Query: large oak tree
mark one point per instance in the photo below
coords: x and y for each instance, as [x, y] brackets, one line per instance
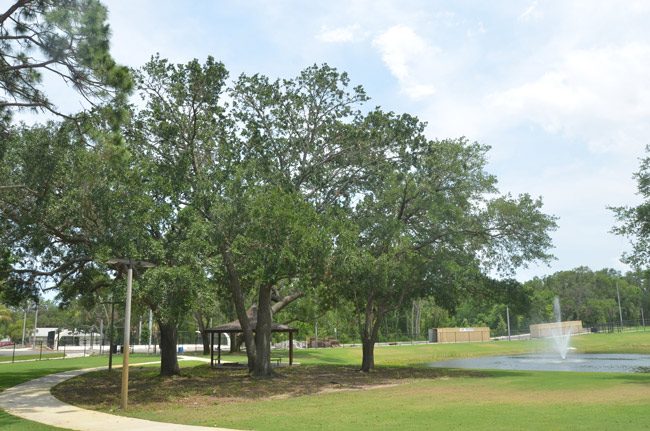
[427, 217]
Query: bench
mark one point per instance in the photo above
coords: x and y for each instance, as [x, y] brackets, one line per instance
[277, 360]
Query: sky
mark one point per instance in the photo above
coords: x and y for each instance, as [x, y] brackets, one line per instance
[559, 90]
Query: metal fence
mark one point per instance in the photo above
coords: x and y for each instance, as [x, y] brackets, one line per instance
[616, 326]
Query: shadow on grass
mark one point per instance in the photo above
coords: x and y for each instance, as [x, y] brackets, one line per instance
[322, 358]
[201, 385]
[641, 378]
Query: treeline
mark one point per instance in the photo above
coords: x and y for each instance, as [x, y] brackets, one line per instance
[586, 295]
[243, 195]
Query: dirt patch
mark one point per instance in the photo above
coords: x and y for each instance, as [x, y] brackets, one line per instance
[203, 386]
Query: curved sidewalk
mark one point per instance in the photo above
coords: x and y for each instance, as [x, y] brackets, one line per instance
[33, 401]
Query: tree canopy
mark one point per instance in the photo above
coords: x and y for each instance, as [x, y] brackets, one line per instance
[274, 189]
[62, 39]
[634, 221]
[425, 221]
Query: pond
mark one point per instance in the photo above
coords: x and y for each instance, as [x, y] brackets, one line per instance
[609, 363]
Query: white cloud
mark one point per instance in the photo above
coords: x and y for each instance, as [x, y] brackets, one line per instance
[419, 91]
[598, 95]
[476, 31]
[531, 13]
[351, 33]
[559, 88]
[410, 58]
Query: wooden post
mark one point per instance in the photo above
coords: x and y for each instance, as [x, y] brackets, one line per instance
[211, 349]
[127, 332]
[290, 348]
[219, 349]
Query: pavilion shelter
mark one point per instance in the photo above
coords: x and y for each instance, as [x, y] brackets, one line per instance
[234, 327]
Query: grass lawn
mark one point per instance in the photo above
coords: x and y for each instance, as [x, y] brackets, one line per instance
[31, 357]
[20, 372]
[326, 392]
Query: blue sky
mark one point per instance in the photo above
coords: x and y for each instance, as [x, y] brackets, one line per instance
[559, 89]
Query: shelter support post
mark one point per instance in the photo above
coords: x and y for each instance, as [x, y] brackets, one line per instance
[219, 349]
[290, 348]
[211, 349]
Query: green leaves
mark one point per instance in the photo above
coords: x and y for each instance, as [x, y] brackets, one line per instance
[634, 222]
[426, 220]
[65, 39]
[590, 296]
[517, 232]
[282, 237]
[272, 188]
[170, 291]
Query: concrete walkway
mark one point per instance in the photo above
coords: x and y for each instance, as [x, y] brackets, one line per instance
[33, 401]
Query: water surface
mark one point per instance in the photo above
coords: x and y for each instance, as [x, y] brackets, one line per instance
[608, 363]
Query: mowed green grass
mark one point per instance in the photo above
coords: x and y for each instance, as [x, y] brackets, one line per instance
[20, 372]
[18, 358]
[424, 400]
[495, 401]
[403, 355]
[419, 354]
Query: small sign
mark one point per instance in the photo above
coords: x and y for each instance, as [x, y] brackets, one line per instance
[466, 329]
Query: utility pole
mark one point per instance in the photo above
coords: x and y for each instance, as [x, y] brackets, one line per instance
[24, 325]
[620, 311]
[642, 301]
[35, 324]
[101, 333]
[129, 264]
[642, 317]
[508, 319]
[127, 333]
[150, 329]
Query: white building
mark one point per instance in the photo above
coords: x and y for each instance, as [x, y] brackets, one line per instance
[54, 337]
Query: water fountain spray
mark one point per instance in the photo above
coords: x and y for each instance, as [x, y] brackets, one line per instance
[560, 335]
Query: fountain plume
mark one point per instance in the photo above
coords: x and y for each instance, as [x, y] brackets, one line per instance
[560, 335]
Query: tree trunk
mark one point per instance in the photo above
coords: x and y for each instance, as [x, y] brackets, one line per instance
[238, 298]
[168, 355]
[205, 337]
[370, 334]
[263, 334]
[236, 340]
[368, 358]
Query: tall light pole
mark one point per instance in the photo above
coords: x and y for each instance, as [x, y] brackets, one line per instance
[150, 329]
[508, 319]
[620, 311]
[24, 325]
[642, 301]
[129, 264]
[35, 325]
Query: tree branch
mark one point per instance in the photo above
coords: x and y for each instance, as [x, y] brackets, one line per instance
[13, 8]
[275, 308]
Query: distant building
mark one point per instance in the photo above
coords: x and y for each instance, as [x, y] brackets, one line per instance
[555, 329]
[54, 337]
[459, 335]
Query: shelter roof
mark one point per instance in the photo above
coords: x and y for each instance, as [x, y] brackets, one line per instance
[235, 326]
